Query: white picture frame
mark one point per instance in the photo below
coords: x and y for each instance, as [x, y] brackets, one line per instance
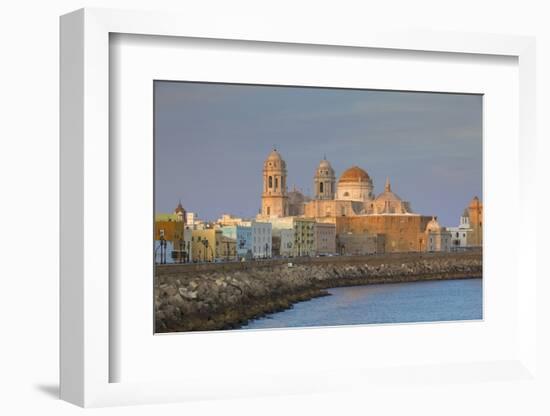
[86, 356]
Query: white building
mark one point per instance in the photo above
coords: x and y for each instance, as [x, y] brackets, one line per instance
[261, 238]
[460, 234]
[286, 241]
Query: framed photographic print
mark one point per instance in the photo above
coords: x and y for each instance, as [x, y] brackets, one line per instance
[277, 229]
[268, 213]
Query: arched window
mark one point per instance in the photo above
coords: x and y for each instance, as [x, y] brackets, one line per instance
[271, 182]
[321, 188]
[268, 211]
[276, 182]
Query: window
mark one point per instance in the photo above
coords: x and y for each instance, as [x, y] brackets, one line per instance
[270, 182]
[321, 188]
[276, 182]
[268, 211]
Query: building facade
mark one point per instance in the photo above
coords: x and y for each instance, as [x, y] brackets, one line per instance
[460, 235]
[206, 245]
[359, 244]
[261, 238]
[324, 238]
[242, 235]
[304, 236]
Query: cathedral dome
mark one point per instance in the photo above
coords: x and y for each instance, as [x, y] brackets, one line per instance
[354, 174]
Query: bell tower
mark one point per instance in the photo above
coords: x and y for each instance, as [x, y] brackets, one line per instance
[475, 213]
[274, 195]
[324, 180]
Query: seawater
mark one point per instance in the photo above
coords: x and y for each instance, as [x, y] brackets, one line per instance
[427, 301]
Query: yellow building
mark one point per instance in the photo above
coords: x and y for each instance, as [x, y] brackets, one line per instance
[206, 244]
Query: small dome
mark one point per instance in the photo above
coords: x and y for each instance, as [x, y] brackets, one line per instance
[325, 164]
[274, 161]
[274, 155]
[433, 226]
[354, 174]
[388, 194]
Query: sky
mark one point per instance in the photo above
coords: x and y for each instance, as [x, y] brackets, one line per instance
[211, 141]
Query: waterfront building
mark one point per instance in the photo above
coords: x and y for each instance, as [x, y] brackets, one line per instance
[286, 242]
[242, 235]
[437, 237]
[304, 236]
[274, 195]
[402, 232]
[460, 235]
[206, 244]
[325, 238]
[261, 238]
[228, 249]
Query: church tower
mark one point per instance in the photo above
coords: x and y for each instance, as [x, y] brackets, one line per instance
[324, 181]
[274, 195]
[475, 213]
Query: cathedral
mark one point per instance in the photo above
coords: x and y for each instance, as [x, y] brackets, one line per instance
[351, 204]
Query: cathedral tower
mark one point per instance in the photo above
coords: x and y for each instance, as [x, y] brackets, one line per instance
[274, 195]
[324, 181]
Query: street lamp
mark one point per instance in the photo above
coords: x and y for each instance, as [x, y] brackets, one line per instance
[162, 247]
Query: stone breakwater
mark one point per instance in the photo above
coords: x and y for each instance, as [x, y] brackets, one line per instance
[227, 296]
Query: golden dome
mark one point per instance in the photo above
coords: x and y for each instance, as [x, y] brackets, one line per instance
[354, 174]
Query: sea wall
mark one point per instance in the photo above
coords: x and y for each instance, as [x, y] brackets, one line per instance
[198, 297]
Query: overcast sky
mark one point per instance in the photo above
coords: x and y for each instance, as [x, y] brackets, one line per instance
[211, 141]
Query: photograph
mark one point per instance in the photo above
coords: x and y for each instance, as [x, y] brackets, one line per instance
[282, 206]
